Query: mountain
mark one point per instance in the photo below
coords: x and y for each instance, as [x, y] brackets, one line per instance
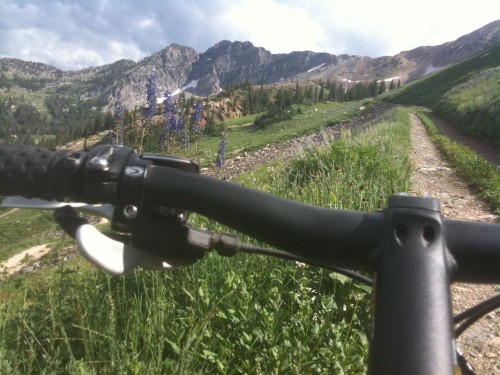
[180, 68]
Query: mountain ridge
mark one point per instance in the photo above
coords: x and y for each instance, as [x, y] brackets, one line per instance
[226, 63]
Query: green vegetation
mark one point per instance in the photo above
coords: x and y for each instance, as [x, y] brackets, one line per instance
[466, 94]
[474, 106]
[25, 228]
[480, 174]
[246, 314]
[62, 119]
[428, 90]
[242, 139]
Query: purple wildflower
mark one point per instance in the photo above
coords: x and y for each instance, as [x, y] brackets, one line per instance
[183, 130]
[196, 118]
[117, 134]
[170, 123]
[221, 153]
[151, 98]
[195, 122]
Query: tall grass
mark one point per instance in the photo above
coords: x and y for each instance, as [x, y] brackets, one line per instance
[474, 106]
[357, 173]
[246, 314]
[25, 228]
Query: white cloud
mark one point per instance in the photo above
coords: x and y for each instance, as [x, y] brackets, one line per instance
[278, 27]
[78, 33]
[145, 23]
[386, 27]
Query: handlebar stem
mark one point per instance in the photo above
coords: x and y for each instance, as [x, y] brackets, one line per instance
[412, 324]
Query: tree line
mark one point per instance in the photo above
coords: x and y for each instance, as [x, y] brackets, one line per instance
[67, 118]
[277, 103]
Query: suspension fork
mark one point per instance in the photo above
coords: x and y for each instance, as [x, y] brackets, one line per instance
[412, 330]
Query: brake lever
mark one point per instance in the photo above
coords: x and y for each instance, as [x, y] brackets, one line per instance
[102, 210]
[117, 258]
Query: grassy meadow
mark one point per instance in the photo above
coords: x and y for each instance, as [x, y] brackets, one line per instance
[246, 314]
[243, 137]
[21, 229]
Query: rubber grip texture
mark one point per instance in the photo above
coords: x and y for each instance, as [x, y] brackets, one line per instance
[34, 172]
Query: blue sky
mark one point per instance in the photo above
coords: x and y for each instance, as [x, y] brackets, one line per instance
[74, 34]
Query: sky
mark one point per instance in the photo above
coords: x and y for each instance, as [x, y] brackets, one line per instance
[76, 34]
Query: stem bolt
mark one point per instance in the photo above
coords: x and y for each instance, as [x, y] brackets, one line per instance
[130, 211]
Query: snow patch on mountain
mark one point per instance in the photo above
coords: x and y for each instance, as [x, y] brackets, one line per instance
[191, 84]
[431, 69]
[315, 68]
[389, 79]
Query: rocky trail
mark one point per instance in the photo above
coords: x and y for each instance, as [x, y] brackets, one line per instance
[433, 175]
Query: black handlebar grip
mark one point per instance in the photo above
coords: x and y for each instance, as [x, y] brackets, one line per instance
[34, 172]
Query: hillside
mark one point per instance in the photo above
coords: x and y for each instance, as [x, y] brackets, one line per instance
[467, 94]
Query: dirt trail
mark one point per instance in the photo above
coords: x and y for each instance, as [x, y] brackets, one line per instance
[18, 262]
[9, 212]
[433, 175]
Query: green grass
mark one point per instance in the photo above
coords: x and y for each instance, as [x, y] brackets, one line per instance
[246, 314]
[357, 173]
[23, 229]
[30, 96]
[242, 139]
[474, 106]
[480, 174]
[46, 137]
[244, 120]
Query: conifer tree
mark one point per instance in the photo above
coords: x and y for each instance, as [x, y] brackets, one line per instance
[321, 95]
[381, 89]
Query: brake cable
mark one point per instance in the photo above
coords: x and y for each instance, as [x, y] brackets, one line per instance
[228, 249]
[475, 313]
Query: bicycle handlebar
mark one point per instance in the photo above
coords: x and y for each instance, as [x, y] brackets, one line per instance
[41, 173]
[117, 175]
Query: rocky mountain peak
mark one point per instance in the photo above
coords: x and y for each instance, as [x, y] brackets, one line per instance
[181, 68]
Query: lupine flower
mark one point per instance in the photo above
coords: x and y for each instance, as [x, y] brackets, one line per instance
[117, 135]
[151, 98]
[179, 122]
[196, 118]
[195, 122]
[221, 153]
[170, 123]
[183, 131]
